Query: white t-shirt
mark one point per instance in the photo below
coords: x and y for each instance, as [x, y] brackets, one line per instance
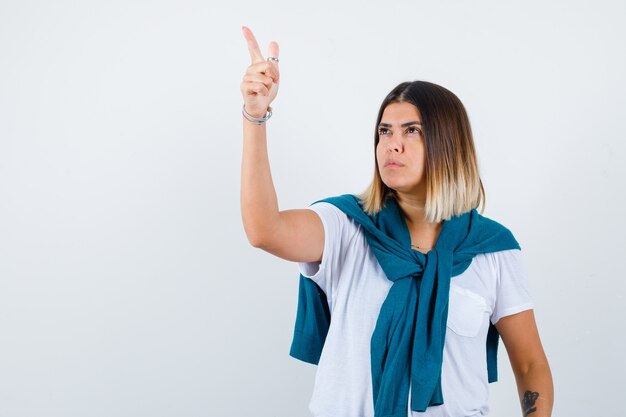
[493, 286]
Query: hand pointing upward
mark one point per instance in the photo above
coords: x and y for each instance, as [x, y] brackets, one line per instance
[260, 82]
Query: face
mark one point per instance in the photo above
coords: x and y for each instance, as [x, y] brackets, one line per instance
[403, 144]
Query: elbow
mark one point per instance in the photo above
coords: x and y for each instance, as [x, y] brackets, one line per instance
[255, 242]
[261, 233]
[254, 238]
[539, 366]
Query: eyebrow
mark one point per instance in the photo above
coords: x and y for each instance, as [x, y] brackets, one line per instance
[402, 125]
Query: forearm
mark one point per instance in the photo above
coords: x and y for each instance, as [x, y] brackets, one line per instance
[259, 204]
[536, 391]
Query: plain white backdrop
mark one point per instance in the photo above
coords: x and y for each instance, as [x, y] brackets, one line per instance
[127, 284]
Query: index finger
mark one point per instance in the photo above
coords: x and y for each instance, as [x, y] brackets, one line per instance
[253, 46]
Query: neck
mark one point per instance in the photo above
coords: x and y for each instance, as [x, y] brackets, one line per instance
[413, 208]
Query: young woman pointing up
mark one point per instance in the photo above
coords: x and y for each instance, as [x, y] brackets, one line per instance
[406, 288]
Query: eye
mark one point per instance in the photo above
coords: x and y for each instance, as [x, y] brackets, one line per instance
[382, 130]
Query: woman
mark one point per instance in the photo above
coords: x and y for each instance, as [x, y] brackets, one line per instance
[419, 285]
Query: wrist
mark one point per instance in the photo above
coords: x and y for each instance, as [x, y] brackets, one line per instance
[255, 114]
[256, 119]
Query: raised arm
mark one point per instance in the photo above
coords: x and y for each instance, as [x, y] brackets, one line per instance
[295, 235]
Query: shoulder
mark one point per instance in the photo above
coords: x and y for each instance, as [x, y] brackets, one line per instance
[508, 256]
[347, 207]
[327, 208]
[487, 222]
[334, 218]
[508, 263]
[486, 228]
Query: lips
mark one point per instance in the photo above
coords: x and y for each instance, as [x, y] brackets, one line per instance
[393, 162]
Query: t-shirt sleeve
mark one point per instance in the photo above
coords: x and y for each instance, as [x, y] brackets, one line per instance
[336, 229]
[512, 286]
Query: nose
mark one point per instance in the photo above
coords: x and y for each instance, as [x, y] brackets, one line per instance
[394, 144]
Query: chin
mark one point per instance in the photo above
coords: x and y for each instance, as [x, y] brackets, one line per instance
[400, 186]
[395, 186]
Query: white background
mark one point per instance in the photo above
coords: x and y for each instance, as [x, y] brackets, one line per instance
[127, 284]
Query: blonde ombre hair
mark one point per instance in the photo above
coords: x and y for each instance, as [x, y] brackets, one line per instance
[453, 184]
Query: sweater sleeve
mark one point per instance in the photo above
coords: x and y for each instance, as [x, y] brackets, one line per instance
[513, 290]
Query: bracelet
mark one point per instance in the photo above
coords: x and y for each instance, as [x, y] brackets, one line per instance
[256, 120]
